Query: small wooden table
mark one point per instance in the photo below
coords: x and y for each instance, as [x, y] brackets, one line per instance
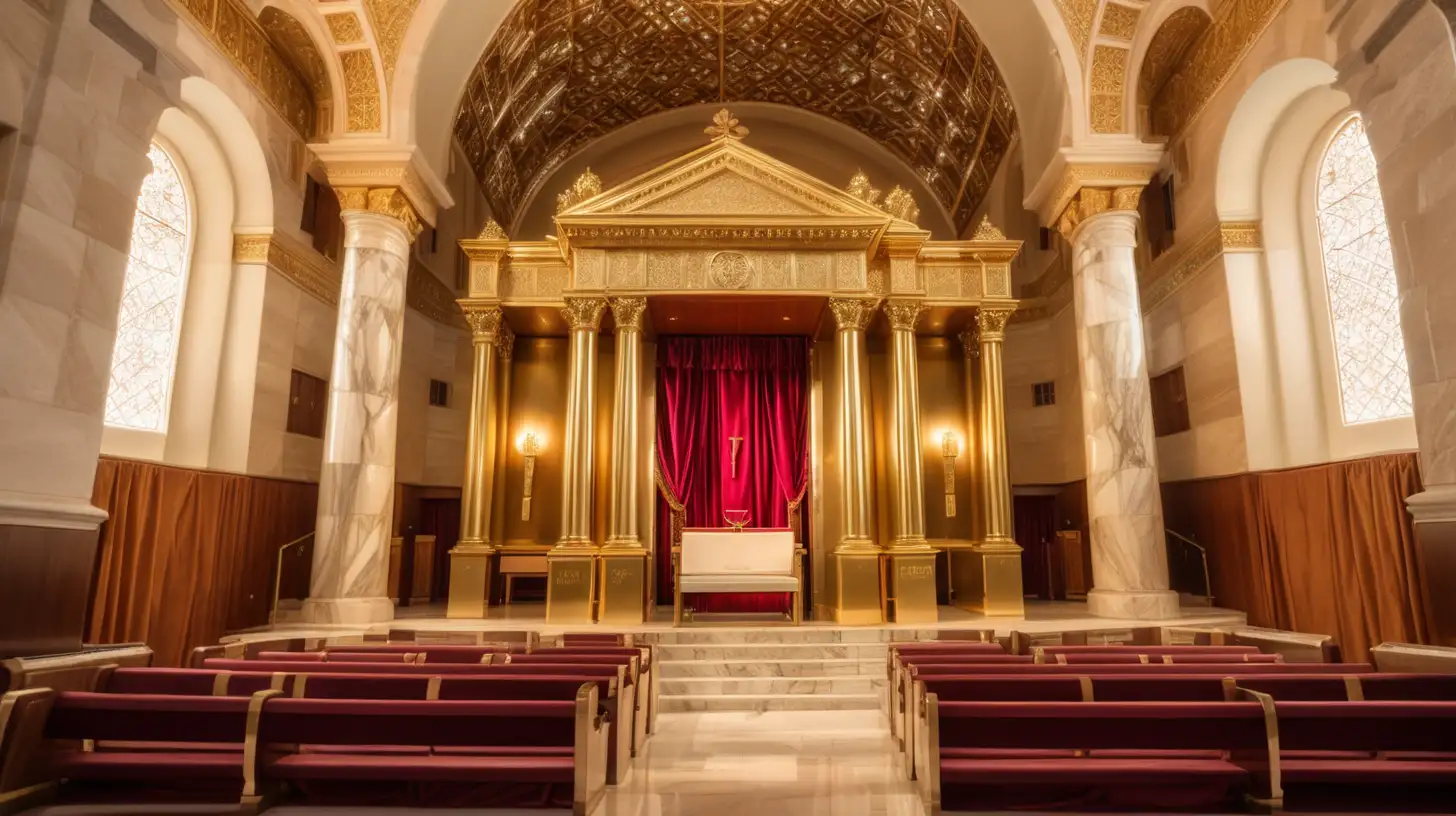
[522, 561]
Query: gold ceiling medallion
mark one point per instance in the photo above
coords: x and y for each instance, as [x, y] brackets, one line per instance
[730, 270]
[725, 126]
[587, 185]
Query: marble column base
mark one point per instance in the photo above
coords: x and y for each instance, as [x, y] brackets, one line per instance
[1158, 604]
[349, 611]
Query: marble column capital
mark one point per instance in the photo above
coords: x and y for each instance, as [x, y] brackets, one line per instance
[853, 314]
[390, 202]
[991, 324]
[584, 313]
[904, 313]
[627, 312]
[1091, 202]
[370, 230]
[1110, 228]
[485, 321]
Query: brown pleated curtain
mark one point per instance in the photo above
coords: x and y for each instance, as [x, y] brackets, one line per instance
[188, 555]
[1327, 549]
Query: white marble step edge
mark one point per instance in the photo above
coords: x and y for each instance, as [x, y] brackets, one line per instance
[695, 686]
[831, 667]
[785, 635]
[760, 652]
[771, 702]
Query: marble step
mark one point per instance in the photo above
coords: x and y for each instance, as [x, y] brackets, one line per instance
[784, 635]
[765, 686]
[813, 667]
[771, 702]
[762, 652]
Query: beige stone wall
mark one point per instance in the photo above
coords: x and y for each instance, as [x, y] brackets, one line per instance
[431, 444]
[1045, 444]
[297, 333]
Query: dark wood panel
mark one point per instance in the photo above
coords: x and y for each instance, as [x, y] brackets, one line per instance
[728, 314]
[1170, 403]
[308, 405]
[45, 584]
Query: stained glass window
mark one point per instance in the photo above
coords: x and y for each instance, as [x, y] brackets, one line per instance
[151, 301]
[1360, 280]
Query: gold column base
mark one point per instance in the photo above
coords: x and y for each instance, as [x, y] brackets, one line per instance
[571, 586]
[912, 586]
[988, 580]
[623, 580]
[858, 577]
[470, 571]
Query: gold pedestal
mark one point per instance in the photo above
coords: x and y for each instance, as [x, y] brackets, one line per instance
[988, 581]
[858, 576]
[623, 580]
[469, 582]
[570, 587]
[912, 586]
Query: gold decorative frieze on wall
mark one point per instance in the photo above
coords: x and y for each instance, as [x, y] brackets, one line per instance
[428, 295]
[1167, 49]
[1078, 15]
[1118, 21]
[233, 30]
[361, 88]
[1109, 70]
[301, 264]
[1171, 271]
[390, 19]
[293, 41]
[345, 28]
[1211, 60]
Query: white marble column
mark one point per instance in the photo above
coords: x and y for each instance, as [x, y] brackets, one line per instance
[356, 489]
[1129, 555]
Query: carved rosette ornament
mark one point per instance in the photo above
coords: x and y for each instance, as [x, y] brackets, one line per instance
[852, 314]
[627, 312]
[484, 322]
[904, 314]
[730, 270]
[583, 313]
[991, 324]
[725, 126]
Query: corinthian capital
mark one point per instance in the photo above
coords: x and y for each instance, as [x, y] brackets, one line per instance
[584, 313]
[852, 314]
[991, 323]
[484, 321]
[904, 314]
[627, 312]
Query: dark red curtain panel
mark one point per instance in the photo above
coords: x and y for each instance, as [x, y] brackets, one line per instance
[710, 390]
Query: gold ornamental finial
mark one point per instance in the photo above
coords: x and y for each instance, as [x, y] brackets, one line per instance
[725, 126]
[901, 204]
[492, 231]
[988, 231]
[860, 188]
[587, 185]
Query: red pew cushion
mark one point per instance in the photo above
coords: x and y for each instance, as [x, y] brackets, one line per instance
[438, 768]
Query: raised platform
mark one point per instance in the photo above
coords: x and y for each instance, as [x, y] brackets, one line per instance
[748, 666]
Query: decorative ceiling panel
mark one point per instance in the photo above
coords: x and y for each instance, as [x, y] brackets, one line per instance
[911, 74]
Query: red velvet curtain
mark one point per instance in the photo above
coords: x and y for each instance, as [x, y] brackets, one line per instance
[710, 390]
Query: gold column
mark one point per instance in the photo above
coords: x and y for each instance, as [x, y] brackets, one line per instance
[911, 567]
[623, 558]
[996, 562]
[570, 588]
[856, 558]
[470, 560]
[506, 347]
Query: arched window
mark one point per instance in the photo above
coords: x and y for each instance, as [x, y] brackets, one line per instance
[1374, 379]
[145, 358]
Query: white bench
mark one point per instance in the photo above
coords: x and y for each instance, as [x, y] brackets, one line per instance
[737, 561]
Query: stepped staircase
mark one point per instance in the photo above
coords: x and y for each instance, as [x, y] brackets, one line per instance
[788, 669]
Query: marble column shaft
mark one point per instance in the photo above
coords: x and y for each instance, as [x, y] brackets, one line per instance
[475, 504]
[622, 529]
[584, 317]
[996, 521]
[908, 477]
[1129, 556]
[852, 317]
[356, 485]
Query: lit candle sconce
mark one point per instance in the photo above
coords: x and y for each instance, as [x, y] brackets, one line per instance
[529, 444]
[950, 448]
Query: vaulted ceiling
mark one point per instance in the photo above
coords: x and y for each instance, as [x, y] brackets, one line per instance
[911, 74]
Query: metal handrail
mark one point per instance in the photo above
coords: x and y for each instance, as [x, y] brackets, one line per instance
[278, 575]
[1202, 555]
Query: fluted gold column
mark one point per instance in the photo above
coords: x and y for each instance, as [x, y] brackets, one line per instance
[911, 559]
[623, 574]
[505, 346]
[997, 557]
[470, 560]
[856, 558]
[570, 588]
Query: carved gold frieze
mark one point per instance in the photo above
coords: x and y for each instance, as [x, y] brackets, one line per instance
[361, 89]
[1119, 21]
[300, 264]
[1167, 49]
[232, 29]
[1211, 60]
[1109, 69]
[389, 19]
[1078, 15]
[345, 28]
[1174, 269]
[428, 295]
[730, 270]
[293, 41]
[949, 85]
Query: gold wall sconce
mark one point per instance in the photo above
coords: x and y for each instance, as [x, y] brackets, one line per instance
[529, 444]
[950, 448]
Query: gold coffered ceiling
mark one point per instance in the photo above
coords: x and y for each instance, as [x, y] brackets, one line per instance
[911, 74]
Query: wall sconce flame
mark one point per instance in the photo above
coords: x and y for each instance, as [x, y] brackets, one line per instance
[529, 444]
[950, 448]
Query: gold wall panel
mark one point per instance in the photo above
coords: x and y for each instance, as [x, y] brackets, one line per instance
[1109, 69]
[231, 27]
[1078, 16]
[943, 408]
[293, 41]
[538, 394]
[389, 19]
[361, 86]
[1119, 21]
[345, 28]
[1167, 50]
[911, 74]
[1237, 25]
